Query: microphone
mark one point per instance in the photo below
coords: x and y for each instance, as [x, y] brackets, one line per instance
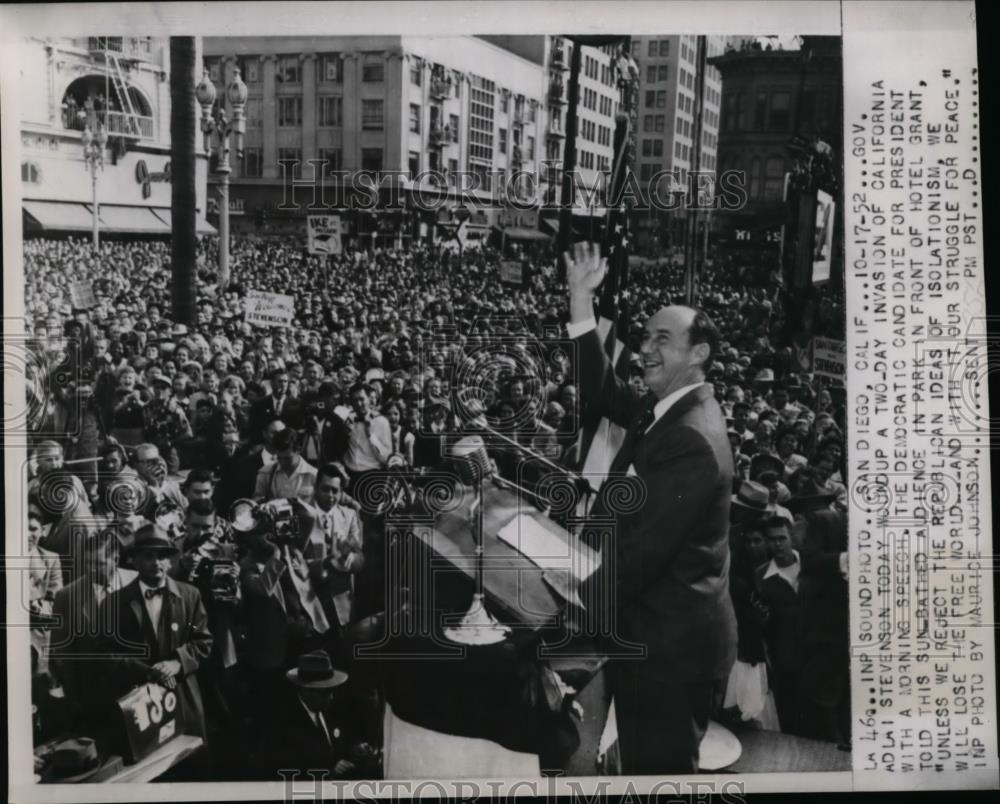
[471, 460]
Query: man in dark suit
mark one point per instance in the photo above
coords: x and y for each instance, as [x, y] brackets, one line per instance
[279, 404]
[669, 568]
[158, 631]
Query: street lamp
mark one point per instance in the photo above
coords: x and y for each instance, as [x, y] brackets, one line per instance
[214, 121]
[93, 158]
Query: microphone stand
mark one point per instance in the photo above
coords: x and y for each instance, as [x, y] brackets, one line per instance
[478, 626]
[579, 481]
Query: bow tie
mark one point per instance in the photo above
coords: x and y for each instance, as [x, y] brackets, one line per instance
[151, 593]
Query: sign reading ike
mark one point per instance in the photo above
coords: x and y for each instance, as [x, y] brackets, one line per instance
[324, 233]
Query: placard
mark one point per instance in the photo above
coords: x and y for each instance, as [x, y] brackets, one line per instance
[511, 271]
[81, 294]
[150, 714]
[829, 358]
[324, 233]
[269, 309]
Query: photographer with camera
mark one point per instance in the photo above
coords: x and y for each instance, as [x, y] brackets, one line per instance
[289, 476]
[363, 440]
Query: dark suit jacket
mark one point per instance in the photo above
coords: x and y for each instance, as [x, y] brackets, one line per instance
[671, 557]
[783, 628]
[294, 741]
[135, 648]
[263, 410]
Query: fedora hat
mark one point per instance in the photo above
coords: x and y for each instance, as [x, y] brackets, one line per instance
[315, 671]
[153, 537]
[73, 760]
[810, 495]
[763, 462]
[751, 497]
[764, 375]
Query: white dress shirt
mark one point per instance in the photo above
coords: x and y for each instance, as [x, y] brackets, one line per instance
[154, 605]
[789, 573]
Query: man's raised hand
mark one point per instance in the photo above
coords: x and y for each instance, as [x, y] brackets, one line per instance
[585, 268]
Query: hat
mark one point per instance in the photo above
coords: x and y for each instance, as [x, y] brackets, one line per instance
[763, 462]
[74, 760]
[153, 537]
[793, 381]
[315, 671]
[764, 375]
[751, 497]
[811, 495]
[159, 378]
[374, 375]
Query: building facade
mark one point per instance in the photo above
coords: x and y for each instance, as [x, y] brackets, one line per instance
[476, 112]
[775, 101]
[680, 94]
[118, 83]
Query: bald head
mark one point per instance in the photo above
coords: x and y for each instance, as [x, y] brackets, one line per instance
[677, 346]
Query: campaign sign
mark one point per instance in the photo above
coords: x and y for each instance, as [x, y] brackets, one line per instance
[269, 309]
[81, 294]
[829, 358]
[511, 271]
[324, 234]
[150, 713]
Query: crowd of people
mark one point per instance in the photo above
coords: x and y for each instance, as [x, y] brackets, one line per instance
[212, 469]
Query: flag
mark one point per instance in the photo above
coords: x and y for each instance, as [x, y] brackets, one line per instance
[600, 439]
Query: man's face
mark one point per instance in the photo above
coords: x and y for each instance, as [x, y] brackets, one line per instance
[199, 490]
[393, 416]
[49, 460]
[112, 463]
[211, 382]
[756, 547]
[34, 532]
[179, 384]
[279, 383]
[100, 562]
[152, 566]
[668, 358]
[824, 466]
[740, 418]
[779, 544]
[327, 491]
[200, 526]
[396, 384]
[246, 371]
[361, 403]
[161, 391]
[312, 373]
[287, 459]
[517, 393]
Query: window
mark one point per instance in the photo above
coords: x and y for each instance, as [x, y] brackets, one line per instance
[502, 140]
[684, 152]
[372, 114]
[531, 148]
[290, 162]
[650, 98]
[653, 47]
[687, 129]
[290, 111]
[687, 104]
[664, 47]
[774, 178]
[684, 52]
[452, 169]
[680, 124]
[755, 177]
[333, 157]
[414, 163]
[661, 122]
[647, 147]
[531, 113]
[30, 173]
[333, 67]
[250, 69]
[651, 73]
[289, 70]
[504, 102]
[371, 159]
[482, 103]
[662, 72]
[373, 70]
[646, 172]
[661, 99]
[657, 147]
[780, 116]
[252, 164]
[647, 122]
[453, 124]
[331, 111]
[416, 73]
[415, 118]
[677, 150]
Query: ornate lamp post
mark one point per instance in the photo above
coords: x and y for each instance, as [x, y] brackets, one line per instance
[214, 121]
[93, 158]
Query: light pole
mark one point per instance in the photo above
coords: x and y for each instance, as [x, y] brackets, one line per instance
[214, 121]
[93, 158]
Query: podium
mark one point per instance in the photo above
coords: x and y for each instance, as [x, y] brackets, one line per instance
[492, 693]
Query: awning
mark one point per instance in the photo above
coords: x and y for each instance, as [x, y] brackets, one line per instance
[522, 233]
[201, 226]
[58, 216]
[582, 225]
[136, 220]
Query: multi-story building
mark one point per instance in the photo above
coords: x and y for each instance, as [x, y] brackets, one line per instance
[774, 100]
[679, 96]
[120, 84]
[388, 104]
